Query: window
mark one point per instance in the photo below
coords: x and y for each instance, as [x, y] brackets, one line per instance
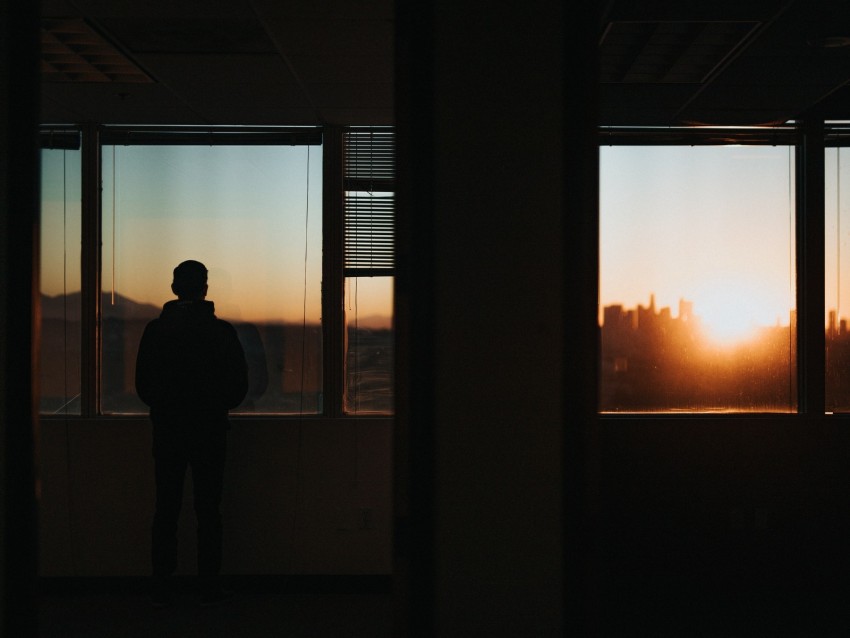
[253, 215]
[369, 345]
[60, 275]
[837, 276]
[252, 204]
[369, 267]
[697, 278]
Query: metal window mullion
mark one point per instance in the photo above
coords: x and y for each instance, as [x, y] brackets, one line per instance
[695, 136]
[333, 281]
[214, 135]
[90, 272]
[810, 199]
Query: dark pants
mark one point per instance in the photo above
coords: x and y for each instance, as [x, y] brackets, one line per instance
[200, 446]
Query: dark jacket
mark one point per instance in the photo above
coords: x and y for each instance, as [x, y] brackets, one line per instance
[190, 363]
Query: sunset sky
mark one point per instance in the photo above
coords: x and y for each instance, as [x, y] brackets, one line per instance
[712, 225]
[253, 215]
[837, 205]
[245, 212]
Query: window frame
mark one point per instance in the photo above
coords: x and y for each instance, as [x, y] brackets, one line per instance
[91, 138]
[809, 139]
[836, 134]
[64, 138]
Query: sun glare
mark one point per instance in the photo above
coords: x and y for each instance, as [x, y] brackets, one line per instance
[731, 312]
[726, 327]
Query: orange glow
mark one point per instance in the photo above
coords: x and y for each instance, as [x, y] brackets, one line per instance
[732, 311]
[728, 329]
[713, 225]
[369, 302]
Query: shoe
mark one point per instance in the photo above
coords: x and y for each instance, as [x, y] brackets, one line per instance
[216, 597]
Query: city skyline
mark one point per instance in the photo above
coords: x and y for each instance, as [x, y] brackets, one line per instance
[736, 332]
[654, 361]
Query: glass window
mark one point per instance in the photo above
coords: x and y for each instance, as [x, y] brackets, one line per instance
[837, 279]
[369, 268]
[253, 215]
[697, 271]
[60, 281]
[369, 341]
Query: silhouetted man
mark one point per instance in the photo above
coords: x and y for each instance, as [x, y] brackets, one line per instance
[190, 370]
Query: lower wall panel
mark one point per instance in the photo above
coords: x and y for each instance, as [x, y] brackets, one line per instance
[728, 526]
[310, 496]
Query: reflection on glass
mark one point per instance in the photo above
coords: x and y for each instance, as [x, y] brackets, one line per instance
[253, 215]
[837, 279]
[60, 282]
[697, 301]
[369, 345]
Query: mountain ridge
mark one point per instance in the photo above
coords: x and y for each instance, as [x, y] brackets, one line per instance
[60, 306]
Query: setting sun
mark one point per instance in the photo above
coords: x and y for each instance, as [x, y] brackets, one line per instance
[725, 326]
[731, 311]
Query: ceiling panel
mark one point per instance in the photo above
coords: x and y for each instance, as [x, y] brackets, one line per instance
[345, 69]
[68, 103]
[772, 73]
[201, 34]
[662, 62]
[219, 70]
[236, 61]
[668, 52]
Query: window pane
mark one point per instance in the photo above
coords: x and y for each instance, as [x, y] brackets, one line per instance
[253, 215]
[369, 345]
[60, 282]
[837, 279]
[697, 278]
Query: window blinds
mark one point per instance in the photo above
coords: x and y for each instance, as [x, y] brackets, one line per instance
[369, 206]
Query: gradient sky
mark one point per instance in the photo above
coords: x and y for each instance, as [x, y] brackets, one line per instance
[60, 221]
[245, 212]
[712, 225]
[253, 215]
[837, 249]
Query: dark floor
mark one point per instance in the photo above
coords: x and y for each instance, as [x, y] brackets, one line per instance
[318, 608]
